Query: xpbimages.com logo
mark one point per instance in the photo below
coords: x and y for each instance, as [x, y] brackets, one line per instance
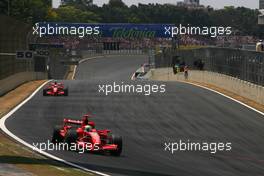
[213, 31]
[146, 89]
[190, 146]
[50, 146]
[65, 29]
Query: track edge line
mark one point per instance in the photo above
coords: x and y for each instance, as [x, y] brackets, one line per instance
[226, 96]
[10, 134]
[81, 61]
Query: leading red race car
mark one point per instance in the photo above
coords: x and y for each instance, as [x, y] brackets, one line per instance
[55, 89]
[83, 132]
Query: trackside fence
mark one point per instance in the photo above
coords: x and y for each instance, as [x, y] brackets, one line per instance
[241, 64]
[114, 52]
[14, 36]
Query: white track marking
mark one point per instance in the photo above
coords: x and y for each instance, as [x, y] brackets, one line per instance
[74, 71]
[81, 61]
[4, 128]
[262, 113]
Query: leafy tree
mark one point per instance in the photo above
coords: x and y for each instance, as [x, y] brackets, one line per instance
[241, 19]
[52, 15]
[116, 4]
[79, 4]
[72, 14]
[29, 10]
[4, 7]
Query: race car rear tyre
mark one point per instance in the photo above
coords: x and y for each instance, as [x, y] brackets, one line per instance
[71, 137]
[66, 92]
[118, 141]
[44, 92]
[56, 136]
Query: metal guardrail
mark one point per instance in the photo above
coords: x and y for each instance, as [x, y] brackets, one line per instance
[242, 64]
[124, 51]
[114, 52]
[9, 65]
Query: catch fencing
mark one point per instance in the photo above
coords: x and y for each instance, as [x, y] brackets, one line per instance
[14, 36]
[241, 64]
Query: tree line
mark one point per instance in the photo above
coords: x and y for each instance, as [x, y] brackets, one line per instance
[242, 19]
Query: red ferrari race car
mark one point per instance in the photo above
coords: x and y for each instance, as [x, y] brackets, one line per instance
[83, 132]
[55, 89]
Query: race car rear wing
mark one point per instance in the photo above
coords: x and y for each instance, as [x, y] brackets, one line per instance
[72, 121]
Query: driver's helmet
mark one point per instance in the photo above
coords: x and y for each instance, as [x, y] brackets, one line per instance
[87, 128]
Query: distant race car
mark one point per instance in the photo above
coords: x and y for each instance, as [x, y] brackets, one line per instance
[55, 89]
[139, 76]
[83, 132]
[141, 72]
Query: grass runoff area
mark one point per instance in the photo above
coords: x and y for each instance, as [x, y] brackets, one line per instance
[14, 157]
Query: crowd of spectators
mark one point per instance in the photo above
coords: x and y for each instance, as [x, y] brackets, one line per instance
[134, 43]
[235, 41]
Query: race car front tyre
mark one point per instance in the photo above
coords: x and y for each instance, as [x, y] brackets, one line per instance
[118, 141]
[56, 136]
[71, 137]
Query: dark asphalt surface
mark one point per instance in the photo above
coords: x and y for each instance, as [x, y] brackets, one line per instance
[184, 112]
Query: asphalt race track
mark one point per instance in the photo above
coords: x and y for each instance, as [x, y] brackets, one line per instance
[147, 122]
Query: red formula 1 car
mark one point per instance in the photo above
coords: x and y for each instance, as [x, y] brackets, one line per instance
[83, 133]
[55, 89]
